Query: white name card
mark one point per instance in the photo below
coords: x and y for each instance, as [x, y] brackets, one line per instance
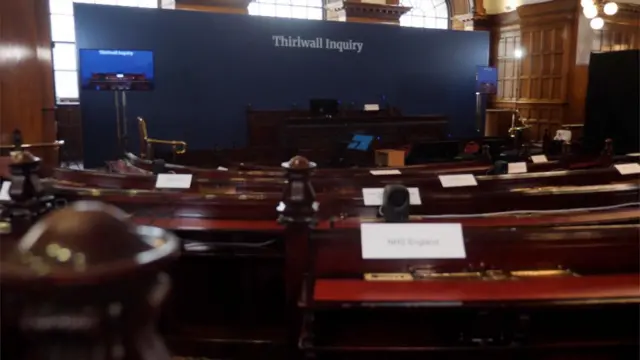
[517, 168]
[412, 241]
[373, 196]
[628, 169]
[222, 168]
[537, 159]
[461, 180]
[371, 107]
[174, 181]
[4, 191]
[385, 172]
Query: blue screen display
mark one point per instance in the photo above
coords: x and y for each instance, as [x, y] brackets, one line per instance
[486, 80]
[360, 142]
[116, 70]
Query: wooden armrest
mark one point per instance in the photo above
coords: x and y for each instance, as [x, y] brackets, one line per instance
[54, 144]
[553, 289]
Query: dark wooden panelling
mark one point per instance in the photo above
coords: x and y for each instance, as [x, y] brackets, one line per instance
[26, 76]
[538, 83]
[70, 130]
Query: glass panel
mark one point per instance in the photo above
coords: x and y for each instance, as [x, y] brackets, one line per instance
[299, 12]
[428, 10]
[405, 20]
[85, 1]
[66, 84]
[442, 23]
[299, 2]
[131, 3]
[152, 4]
[283, 2]
[314, 3]
[314, 13]
[62, 7]
[62, 28]
[429, 22]
[253, 9]
[283, 11]
[64, 56]
[442, 11]
[267, 10]
[106, 2]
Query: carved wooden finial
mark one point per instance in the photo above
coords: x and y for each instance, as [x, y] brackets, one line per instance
[77, 270]
[298, 203]
[486, 152]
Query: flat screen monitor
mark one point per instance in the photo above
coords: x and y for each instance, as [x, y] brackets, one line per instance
[116, 70]
[486, 80]
[323, 107]
[360, 142]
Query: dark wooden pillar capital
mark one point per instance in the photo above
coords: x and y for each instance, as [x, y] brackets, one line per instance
[359, 11]
[473, 22]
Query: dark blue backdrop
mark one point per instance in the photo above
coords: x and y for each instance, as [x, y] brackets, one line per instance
[209, 67]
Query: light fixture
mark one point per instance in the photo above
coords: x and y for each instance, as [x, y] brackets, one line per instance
[590, 11]
[597, 23]
[518, 53]
[610, 8]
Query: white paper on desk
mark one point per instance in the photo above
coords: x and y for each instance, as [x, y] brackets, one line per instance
[628, 169]
[412, 241]
[222, 168]
[385, 172]
[371, 107]
[373, 196]
[460, 180]
[517, 168]
[4, 191]
[537, 159]
[174, 181]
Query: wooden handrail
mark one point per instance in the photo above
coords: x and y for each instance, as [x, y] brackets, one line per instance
[54, 144]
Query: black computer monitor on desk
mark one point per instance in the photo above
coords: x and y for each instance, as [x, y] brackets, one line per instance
[323, 107]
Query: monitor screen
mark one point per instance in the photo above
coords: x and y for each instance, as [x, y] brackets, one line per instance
[360, 142]
[116, 70]
[487, 80]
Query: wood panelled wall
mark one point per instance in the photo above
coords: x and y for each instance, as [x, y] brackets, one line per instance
[548, 84]
[26, 73]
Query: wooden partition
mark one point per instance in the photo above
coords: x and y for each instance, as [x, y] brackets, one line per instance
[26, 80]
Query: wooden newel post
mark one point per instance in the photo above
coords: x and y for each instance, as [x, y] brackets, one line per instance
[84, 283]
[297, 212]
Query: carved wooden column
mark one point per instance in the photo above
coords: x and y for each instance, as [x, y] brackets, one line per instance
[216, 6]
[379, 12]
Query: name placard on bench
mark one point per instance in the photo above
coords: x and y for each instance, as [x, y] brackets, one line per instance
[4, 191]
[628, 169]
[412, 241]
[385, 172]
[517, 168]
[537, 159]
[461, 180]
[373, 196]
[174, 181]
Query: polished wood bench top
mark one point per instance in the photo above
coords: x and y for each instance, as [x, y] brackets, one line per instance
[525, 290]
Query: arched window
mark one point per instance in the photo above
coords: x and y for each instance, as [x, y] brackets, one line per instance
[433, 14]
[295, 9]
